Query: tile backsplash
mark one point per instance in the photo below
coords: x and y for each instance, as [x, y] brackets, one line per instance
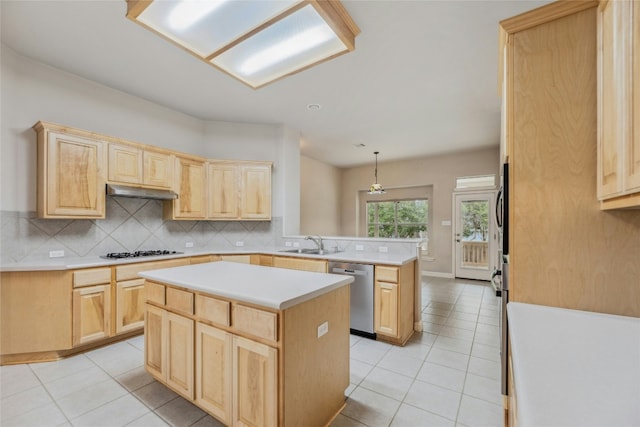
[130, 224]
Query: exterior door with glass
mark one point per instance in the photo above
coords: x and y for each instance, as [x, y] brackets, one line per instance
[474, 235]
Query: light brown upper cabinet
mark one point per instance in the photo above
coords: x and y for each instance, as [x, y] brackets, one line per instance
[255, 190]
[191, 184]
[223, 190]
[71, 173]
[158, 169]
[619, 104]
[129, 164]
[239, 190]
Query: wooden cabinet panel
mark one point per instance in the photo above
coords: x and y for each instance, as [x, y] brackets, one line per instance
[632, 175]
[255, 376]
[158, 169]
[292, 263]
[200, 259]
[243, 259]
[213, 310]
[130, 305]
[154, 341]
[386, 308]
[255, 189]
[387, 274]
[618, 104]
[223, 190]
[130, 271]
[91, 314]
[214, 371]
[35, 311]
[255, 322]
[179, 300]
[125, 164]
[179, 342]
[92, 276]
[154, 292]
[191, 187]
[71, 174]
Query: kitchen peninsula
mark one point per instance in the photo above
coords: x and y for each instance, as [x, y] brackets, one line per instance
[252, 345]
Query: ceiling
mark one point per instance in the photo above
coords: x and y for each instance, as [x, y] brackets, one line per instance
[422, 80]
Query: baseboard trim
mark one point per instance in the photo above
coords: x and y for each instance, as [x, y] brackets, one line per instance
[437, 274]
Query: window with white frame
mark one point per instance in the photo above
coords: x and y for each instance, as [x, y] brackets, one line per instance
[404, 219]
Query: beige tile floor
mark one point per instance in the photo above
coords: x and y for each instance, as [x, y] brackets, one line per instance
[446, 376]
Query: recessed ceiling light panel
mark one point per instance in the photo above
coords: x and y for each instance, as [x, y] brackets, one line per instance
[255, 41]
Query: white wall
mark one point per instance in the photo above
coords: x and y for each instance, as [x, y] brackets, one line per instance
[320, 201]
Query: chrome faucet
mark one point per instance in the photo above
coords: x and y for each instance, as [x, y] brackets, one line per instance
[317, 240]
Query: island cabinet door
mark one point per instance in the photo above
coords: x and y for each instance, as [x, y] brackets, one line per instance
[214, 358]
[154, 341]
[255, 384]
[179, 345]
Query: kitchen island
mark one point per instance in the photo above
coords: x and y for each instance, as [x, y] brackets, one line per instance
[251, 345]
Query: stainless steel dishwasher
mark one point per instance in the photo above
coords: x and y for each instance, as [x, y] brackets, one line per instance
[361, 295]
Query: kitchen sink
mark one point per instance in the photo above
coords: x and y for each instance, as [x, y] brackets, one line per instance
[306, 251]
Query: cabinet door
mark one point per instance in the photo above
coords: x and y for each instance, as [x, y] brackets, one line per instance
[191, 185]
[179, 347]
[75, 185]
[154, 354]
[125, 164]
[386, 308]
[223, 190]
[214, 356]
[158, 169]
[255, 192]
[632, 174]
[609, 106]
[255, 387]
[91, 314]
[129, 305]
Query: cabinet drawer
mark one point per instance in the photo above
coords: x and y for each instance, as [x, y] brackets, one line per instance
[256, 322]
[213, 310]
[130, 271]
[154, 292]
[94, 276]
[181, 301]
[387, 274]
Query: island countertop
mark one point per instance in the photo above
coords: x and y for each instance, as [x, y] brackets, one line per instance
[264, 286]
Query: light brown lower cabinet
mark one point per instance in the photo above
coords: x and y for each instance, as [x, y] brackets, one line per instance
[91, 314]
[214, 360]
[169, 340]
[129, 305]
[393, 302]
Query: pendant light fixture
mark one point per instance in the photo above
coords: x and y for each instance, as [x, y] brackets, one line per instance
[375, 187]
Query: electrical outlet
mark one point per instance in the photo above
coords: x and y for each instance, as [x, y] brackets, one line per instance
[359, 247]
[383, 249]
[56, 254]
[188, 245]
[239, 243]
[287, 244]
[296, 244]
[323, 329]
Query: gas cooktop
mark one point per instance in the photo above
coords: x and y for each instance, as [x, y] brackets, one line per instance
[136, 254]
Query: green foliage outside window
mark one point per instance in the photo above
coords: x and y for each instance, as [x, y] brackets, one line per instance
[397, 218]
[475, 220]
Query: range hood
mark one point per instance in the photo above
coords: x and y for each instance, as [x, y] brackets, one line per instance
[140, 193]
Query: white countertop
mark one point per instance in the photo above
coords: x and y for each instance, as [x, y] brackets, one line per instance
[264, 286]
[72, 263]
[574, 368]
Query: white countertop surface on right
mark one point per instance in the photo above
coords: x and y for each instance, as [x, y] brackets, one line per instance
[574, 368]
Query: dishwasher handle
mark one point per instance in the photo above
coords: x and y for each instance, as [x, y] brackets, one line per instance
[349, 271]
